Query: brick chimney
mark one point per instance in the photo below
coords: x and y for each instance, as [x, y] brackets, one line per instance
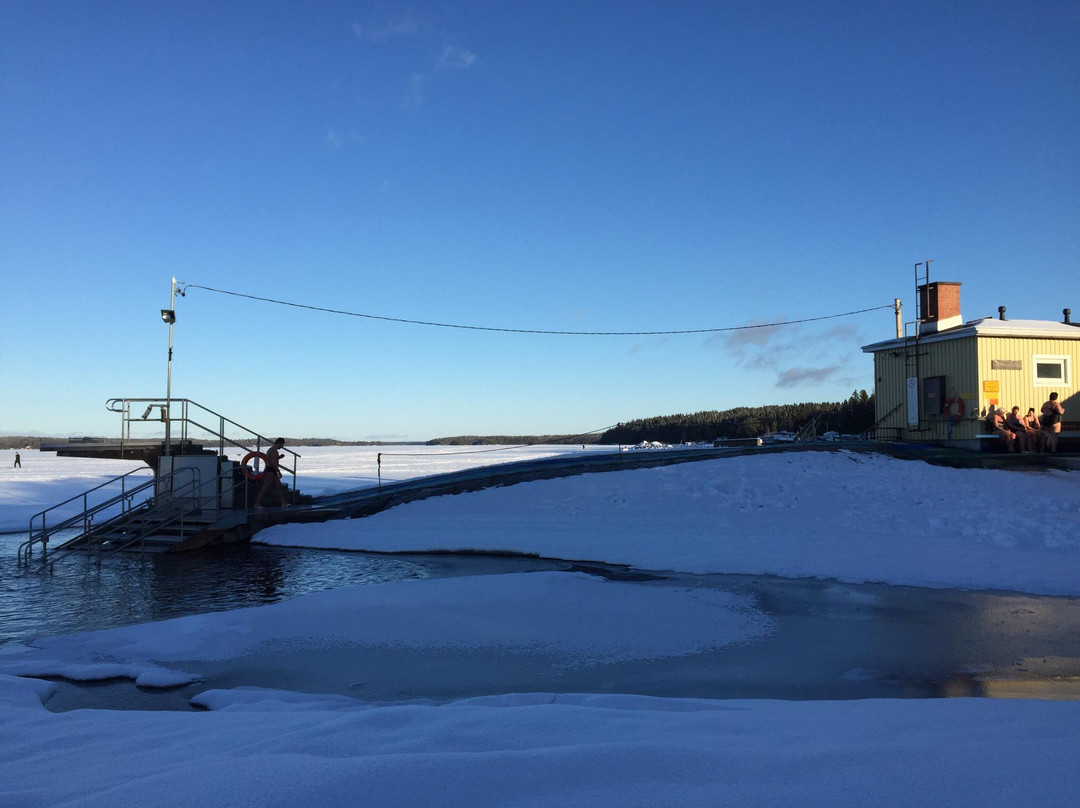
[939, 306]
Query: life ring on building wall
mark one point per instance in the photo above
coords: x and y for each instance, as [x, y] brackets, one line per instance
[954, 407]
[249, 474]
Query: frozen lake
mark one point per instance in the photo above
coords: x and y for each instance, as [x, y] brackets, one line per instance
[827, 639]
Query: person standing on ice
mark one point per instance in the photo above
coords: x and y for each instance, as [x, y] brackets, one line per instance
[272, 474]
[18, 461]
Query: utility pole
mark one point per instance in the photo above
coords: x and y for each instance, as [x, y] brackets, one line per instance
[169, 316]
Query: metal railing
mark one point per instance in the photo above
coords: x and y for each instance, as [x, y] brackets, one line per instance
[171, 508]
[872, 432]
[125, 501]
[808, 430]
[185, 419]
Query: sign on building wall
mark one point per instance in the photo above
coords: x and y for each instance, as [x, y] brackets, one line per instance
[1006, 364]
[913, 401]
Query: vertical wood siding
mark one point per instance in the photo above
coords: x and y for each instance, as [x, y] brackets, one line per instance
[1018, 386]
[965, 364]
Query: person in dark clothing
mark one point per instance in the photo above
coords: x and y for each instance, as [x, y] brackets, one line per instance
[18, 461]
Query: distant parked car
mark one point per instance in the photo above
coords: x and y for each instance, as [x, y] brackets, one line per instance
[831, 436]
[778, 437]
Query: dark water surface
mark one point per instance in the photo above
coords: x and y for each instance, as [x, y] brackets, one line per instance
[132, 588]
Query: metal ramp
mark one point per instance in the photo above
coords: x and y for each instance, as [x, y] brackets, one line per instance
[197, 496]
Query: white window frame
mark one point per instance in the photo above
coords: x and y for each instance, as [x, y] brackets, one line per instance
[1046, 359]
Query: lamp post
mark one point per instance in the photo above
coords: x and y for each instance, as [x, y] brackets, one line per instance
[169, 316]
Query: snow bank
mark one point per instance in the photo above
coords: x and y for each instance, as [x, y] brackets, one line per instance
[854, 517]
[539, 613]
[265, 748]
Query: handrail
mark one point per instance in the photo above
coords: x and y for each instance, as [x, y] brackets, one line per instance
[148, 521]
[45, 532]
[123, 406]
[808, 428]
[178, 517]
[873, 430]
[172, 512]
[82, 496]
[123, 499]
[247, 449]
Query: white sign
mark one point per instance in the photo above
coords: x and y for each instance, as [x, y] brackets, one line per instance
[913, 402]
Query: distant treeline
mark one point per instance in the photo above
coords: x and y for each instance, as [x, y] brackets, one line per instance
[22, 442]
[852, 416]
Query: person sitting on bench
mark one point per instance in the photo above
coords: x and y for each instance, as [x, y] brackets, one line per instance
[995, 420]
[1025, 439]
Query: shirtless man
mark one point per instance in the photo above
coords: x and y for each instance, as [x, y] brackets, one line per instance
[1052, 413]
[1025, 438]
[272, 474]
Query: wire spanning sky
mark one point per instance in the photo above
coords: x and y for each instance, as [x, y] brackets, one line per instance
[586, 167]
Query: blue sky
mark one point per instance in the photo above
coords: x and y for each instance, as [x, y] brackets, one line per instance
[585, 166]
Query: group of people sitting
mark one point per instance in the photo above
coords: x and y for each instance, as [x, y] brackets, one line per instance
[1031, 432]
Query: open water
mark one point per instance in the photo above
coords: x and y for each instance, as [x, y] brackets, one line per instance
[128, 588]
[830, 640]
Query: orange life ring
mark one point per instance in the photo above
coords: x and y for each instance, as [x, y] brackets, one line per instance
[247, 470]
[954, 407]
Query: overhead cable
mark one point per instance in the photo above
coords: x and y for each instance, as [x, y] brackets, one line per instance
[533, 330]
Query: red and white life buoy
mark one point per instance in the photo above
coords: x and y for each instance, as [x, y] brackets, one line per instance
[954, 407]
[247, 470]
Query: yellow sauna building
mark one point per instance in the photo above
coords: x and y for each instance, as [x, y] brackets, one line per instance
[936, 385]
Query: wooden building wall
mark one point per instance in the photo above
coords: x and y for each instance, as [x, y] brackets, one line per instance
[972, 368]
[956, 361]
[1016, 385]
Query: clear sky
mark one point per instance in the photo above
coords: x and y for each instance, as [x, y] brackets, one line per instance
[584, 166]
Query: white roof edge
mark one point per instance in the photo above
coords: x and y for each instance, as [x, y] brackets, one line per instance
[988, 327]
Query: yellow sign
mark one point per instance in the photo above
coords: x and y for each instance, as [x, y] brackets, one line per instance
[992, 387]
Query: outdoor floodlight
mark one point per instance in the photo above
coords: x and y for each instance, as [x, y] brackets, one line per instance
[168, 316]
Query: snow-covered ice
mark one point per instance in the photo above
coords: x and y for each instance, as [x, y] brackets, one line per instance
[831, 516]
[846, 515]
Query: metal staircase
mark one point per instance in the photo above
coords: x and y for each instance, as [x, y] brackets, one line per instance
[196, 495]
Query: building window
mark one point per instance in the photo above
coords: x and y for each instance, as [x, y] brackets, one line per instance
[1051, 371]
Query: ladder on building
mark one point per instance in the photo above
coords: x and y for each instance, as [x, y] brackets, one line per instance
[912, 352]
